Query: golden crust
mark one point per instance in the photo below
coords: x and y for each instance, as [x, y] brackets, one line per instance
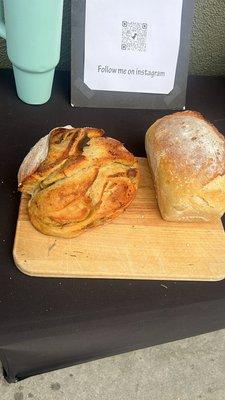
[187, 157]
[85, 180]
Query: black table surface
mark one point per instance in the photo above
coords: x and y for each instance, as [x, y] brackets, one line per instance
[50, 323]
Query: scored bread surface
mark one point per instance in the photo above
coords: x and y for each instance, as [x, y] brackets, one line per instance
[84, 180]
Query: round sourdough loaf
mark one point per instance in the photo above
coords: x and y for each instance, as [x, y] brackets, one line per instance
[77, 179]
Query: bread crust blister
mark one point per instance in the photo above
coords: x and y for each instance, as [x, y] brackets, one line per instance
[77, 179]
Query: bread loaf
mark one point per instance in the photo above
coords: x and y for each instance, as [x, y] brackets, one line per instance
[77, 179]
[187, 158]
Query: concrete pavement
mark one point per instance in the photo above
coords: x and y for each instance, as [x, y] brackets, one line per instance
[189, 369]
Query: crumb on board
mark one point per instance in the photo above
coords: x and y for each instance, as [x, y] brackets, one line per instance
[51, 247]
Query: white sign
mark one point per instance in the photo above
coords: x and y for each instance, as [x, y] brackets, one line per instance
[132, 46]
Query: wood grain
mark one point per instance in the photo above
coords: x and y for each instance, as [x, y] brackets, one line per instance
[136, 245]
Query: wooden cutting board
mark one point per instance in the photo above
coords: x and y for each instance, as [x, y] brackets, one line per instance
[136, 245]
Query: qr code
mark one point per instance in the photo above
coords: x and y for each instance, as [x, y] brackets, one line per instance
[134, 36]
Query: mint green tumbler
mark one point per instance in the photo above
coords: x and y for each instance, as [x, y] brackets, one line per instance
[32, 29]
